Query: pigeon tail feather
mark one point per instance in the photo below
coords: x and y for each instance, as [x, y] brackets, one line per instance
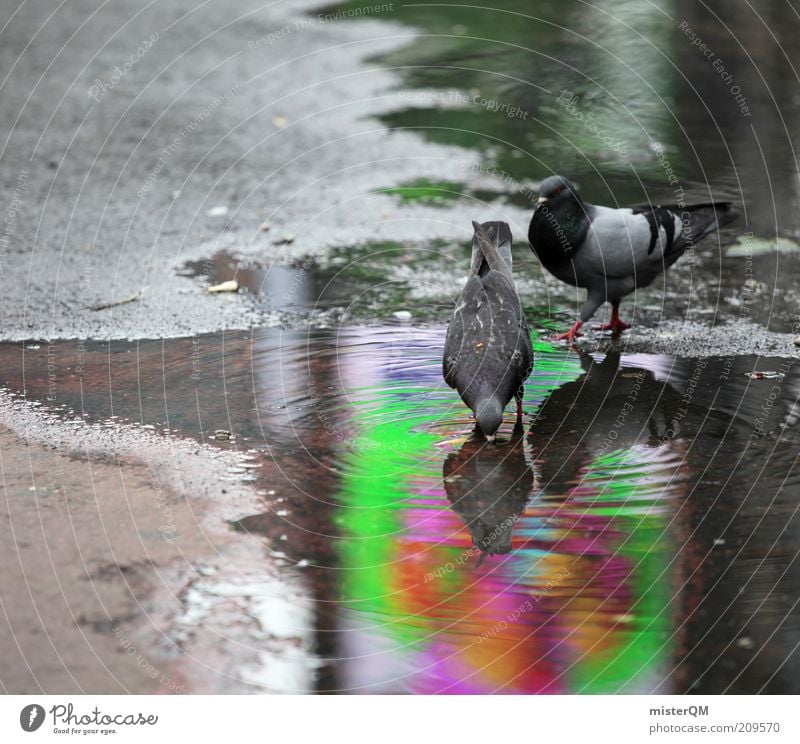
[487, 241]
[706, 218]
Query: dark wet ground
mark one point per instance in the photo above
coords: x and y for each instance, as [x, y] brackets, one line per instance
[653, 117]
[640, 80]
[640, 530]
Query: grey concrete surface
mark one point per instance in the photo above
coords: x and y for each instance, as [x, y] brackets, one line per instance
[112, 181]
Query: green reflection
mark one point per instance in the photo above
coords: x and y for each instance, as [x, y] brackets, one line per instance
[375, 490]
[635, 644]
[426, 191]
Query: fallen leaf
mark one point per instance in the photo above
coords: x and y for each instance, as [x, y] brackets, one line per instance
[229, 286]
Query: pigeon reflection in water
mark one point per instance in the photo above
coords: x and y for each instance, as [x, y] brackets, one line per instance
[488, 486]
[613, 408]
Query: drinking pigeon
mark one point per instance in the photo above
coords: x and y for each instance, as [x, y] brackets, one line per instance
[612, 252]
[488, 353]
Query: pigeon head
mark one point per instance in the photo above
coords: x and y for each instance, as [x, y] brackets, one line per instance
[489, 415]
[556, 191]
[559, 223]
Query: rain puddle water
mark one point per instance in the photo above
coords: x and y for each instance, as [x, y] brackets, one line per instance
[368, 284]
[637, 533]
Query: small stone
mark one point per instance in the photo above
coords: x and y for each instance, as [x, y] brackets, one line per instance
[719, 541]
[229, 286]
[797, 341]
[280, 121]
[220, 211]
[402, 315]
[265, 226]
[744, 642]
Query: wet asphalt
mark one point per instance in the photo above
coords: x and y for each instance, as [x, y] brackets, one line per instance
[140, 137]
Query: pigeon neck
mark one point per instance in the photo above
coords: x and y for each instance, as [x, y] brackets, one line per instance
[555, 234]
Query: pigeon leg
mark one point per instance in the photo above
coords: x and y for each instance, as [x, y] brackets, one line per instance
[616, 326]
[571, 334]
[519, 408]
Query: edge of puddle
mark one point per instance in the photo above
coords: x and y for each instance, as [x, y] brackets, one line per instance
[203, 624]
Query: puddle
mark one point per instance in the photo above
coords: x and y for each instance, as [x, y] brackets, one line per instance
[373, 283]
[573, 88]
[366, 285]
[638, 533]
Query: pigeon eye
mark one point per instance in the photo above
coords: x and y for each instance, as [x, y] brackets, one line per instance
[557, 191]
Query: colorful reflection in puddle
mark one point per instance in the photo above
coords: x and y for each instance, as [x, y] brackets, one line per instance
[576, 598]
[608, 545]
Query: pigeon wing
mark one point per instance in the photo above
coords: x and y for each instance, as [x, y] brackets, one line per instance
[488, 341]
[623, 243]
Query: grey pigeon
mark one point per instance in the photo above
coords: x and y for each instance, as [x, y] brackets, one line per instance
[488, 353]
[612, 252]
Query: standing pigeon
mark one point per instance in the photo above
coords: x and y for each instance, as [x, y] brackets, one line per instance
[612, 252]
[488, 352]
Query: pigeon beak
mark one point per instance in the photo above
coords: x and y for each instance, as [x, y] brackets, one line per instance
[542, 200]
